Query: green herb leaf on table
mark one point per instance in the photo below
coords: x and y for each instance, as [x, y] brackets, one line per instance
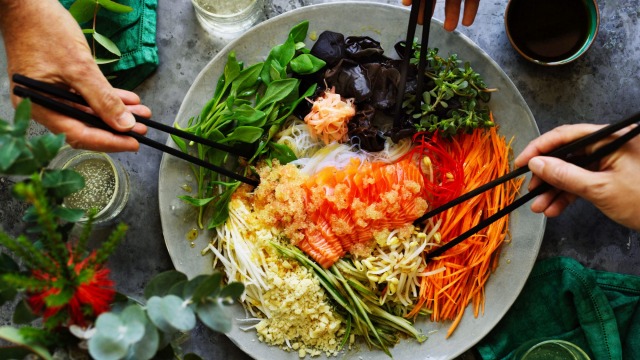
[83, 10]
[115, 7]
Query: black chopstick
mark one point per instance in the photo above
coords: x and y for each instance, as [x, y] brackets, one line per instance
[95, 121]
[406, 59]
[566, 152]
[48, 88]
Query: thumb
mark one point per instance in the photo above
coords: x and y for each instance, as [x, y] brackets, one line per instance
[563, 175]
[104, 101]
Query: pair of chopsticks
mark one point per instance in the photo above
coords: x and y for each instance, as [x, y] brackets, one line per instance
[35, 90]
[566, 152]
[422, 58]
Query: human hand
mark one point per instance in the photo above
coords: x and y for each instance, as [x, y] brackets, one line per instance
[612, 186]
[57, 52]
[452, 12]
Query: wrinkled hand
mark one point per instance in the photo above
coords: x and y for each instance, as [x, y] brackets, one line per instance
[452, 12]
[612, 186]
[56, 51]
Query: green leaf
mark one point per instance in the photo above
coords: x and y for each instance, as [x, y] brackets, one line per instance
[209, 287]
[21, 118]
[7, 264]
[246, 115]
[100, 61]
[195, 201]
[155, 311]
[59, 299]
[177, 314]
[10, 151]
[107, 43]
[247, 79]
[191, 356]
[146, 347]
[22, 314]
[282, 152]
[83, 10]
[306, 64]
[231, 68]
[214, 316]
[115, 7]
[7, 294]
[232, 291]
[222, 207]
[103, 347]
[246, 134]
[161, 283]
[192, 285]
[14, 336]
[283, 53]
[299, 32]
[45, 147]
[68, 215]
[278, 90]
[134, 320]
[62, 182]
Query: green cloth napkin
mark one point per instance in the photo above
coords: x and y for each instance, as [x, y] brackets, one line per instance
[598, 311]
[135, 35]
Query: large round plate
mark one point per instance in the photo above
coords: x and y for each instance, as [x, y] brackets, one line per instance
[387, 24]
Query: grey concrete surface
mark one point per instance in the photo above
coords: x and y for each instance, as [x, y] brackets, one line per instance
[601, 87]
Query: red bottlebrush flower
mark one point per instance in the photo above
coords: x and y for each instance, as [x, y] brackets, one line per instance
[90, 287]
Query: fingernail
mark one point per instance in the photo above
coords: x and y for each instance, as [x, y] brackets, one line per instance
[536, 165]
[126, 120]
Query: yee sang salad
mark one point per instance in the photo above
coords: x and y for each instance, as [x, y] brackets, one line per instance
[326, 244]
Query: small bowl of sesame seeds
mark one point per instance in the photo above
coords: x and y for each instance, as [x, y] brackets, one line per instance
[106, 189]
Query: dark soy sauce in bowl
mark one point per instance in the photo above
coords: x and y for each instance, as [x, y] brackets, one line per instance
[548, 30]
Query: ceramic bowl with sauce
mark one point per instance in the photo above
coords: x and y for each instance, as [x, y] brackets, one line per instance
[552, 32]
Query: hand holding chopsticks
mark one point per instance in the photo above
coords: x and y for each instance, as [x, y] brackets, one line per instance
[36, 90]
[568, 152]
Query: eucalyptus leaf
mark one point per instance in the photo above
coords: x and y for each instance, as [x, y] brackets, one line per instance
[115, 7]
[178, 288]
[214, 316]
[161, 283]
[134, 320]
[193, 284]
[62, 182]
[209, 287]
[155, 311]
[14, 336]
[83, 10]
[107, 43]
[177, 314]
[232, 291]
[147, 346]
[103, 347]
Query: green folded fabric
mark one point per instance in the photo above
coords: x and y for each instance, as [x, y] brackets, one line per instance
[135, 35]
[598, 311]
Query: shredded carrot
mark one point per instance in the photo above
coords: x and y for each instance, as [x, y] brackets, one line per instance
[484, 156]
[329, 117]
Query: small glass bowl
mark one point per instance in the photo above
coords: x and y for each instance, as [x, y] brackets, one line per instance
[223, 17]
[550, 350]
[106, 183]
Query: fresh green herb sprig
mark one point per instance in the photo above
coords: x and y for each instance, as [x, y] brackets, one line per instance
[61, 281]
[87, 10]
[249, 106]
[455, 98]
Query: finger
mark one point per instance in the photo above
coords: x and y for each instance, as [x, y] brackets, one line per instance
[127, 97]
[140, 110]
[566, 176]
[451, 14]
[470, 11]
[553, 139]
[406, 2]
[552, 203]
[89, 82]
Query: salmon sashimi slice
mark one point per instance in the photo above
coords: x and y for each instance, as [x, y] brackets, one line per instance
[348, 206]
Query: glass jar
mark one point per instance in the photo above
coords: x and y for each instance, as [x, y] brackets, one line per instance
[106, 183]
[549, 350]
[223, 17]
